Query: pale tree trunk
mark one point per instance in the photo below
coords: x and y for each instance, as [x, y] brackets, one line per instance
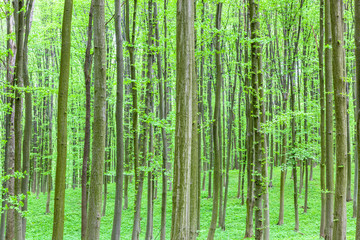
[98, 145]
[59, 199]
[185, 75]
[336, 11]
[10, 143]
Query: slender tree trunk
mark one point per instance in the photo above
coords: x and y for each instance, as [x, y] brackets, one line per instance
[249, 146]
[329, 126]
[119, 124]
[149, 110]
[348, 175]
[322, 122]
[306, 135]
[84, 172]
[59, 200]
[127, 108]
[227, 178]
[255, 109]
[357, 85]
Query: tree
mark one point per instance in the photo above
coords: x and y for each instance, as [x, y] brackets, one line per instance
[9, 134]
[357, 116]
[336, 11]
[59, 202]
[87, 75]
[18, 82]
[322, 121]
[98, 145]
[185, 75]
[329, 125]
[119, 124]
[216, 126]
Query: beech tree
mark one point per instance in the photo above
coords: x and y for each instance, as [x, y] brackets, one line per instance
[59, 203]
[205, 104]
[336, 12]
[185, 69]
[98, 145]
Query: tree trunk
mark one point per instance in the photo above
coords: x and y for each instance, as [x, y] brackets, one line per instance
[10, 143]
[322, 122]
[59, 200]
[336, 11]
[163, 131]
[185, 75]
[329, 126]
[119, 124]
[216, 127]
[98, 146]
[255, 109]
[84, 172]
[357, 84]
[249, 146]
[148, 111]
[18, 82]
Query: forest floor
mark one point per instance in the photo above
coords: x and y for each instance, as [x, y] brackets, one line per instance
[39, 224]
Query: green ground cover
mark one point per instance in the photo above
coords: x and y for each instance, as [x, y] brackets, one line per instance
[39, 224]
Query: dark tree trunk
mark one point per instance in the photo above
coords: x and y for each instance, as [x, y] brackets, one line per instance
[84, 172]
[216, 127]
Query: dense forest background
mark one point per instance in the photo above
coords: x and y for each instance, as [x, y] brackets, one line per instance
[179, 119]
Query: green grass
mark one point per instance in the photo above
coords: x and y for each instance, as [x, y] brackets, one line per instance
[39, 224]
